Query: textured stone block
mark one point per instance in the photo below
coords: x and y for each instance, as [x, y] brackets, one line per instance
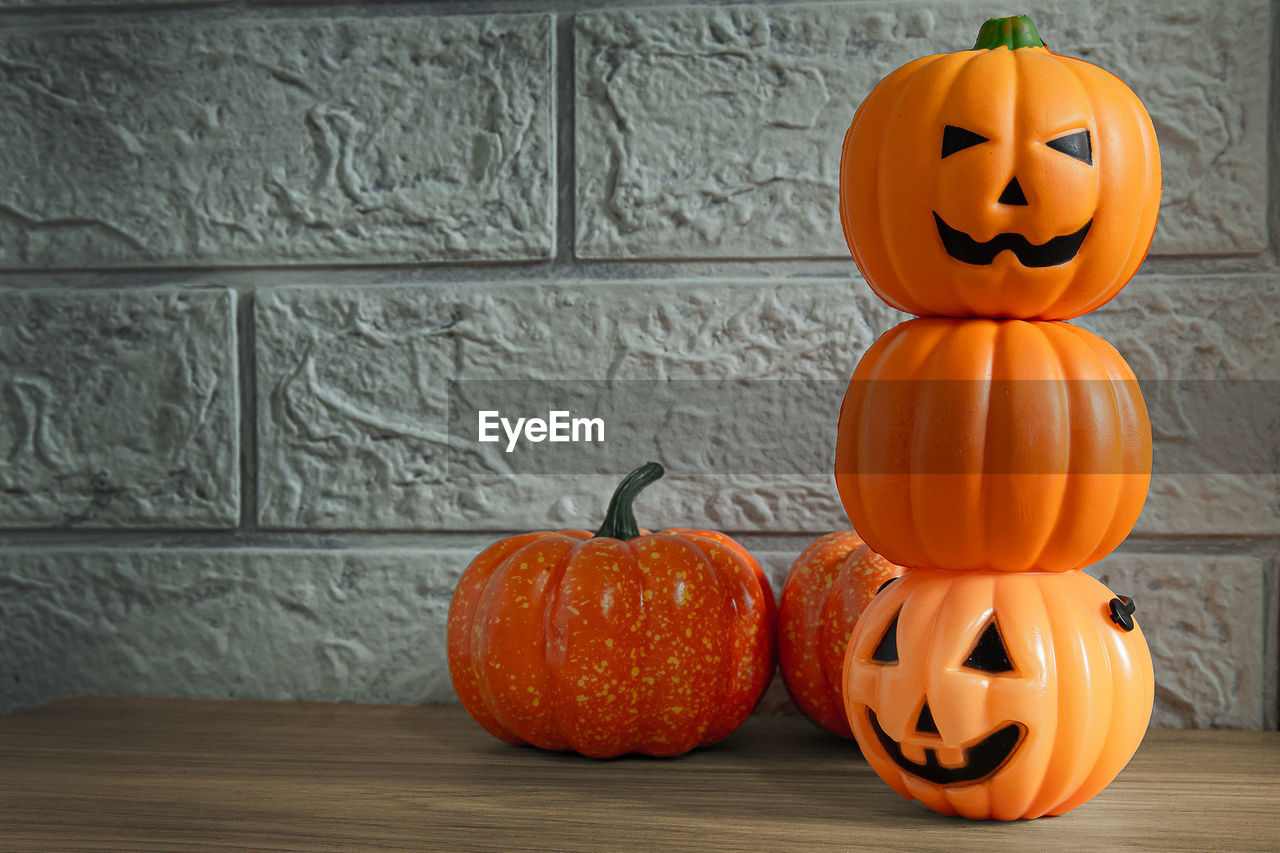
[716, 132]
[1217, 436]
[1204, 618]
[254, 624]
[276, 141]
[120, 409]
[1202, 328]
[352, 391]
[353, 395]
[370, 625]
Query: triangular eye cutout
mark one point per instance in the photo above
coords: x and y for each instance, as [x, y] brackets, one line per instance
[1075, 145]
[990, 655]
[957, 139]
[887, 650]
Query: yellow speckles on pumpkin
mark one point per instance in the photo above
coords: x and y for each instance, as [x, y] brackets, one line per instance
[688, 632]
[676, 709]
[673, 660]
[524, 565]
[582, 697]
[635, 670]
[648, 679]
[574, 610]
[609, 642]
[655, 555]
[648, 595]
[643, 568]
[582, 682]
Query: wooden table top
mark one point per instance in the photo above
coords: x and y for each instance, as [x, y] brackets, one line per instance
[107, 773]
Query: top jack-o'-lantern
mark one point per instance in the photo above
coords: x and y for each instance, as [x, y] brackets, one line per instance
[1003, 181]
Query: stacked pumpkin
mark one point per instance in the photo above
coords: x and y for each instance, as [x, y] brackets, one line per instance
[989, 445]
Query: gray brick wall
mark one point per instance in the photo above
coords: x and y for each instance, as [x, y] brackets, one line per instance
[244, 251]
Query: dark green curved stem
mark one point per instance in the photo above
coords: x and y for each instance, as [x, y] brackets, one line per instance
[619, 519]
[1012, 33]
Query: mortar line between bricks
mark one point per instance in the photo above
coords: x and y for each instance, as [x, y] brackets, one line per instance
[1271, 625]
[571, 270]
[1269, 653]
[563, 93]
[1273, 137]
[782, 541]
[35, 14]
[246, 357]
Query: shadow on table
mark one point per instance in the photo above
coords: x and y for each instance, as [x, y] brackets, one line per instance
[773, 773]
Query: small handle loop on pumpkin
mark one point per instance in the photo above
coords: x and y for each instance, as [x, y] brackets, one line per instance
[620, 519]
[1122, 608]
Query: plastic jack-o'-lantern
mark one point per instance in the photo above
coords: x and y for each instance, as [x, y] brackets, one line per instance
[1005, 445]
[1003, 181]
[995, 695]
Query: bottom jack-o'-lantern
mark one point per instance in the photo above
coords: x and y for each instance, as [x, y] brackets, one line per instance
[997, 695]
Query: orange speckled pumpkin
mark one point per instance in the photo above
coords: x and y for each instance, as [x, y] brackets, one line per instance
[1005, 445]
[826, 590]
[624, 641]
[1003, 181]
[995, 695]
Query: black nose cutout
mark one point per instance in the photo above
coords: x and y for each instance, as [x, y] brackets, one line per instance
[925, 724]
[1013, 194]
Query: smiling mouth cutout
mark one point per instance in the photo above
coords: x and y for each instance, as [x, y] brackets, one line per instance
[962, 247]
[981, 760]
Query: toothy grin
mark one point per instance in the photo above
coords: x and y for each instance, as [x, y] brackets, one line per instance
[962, 247]
[980, 760]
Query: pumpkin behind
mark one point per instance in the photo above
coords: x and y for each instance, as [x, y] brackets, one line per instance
[828, 587]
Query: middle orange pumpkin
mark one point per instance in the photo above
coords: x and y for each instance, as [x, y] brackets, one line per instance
[1003, 445]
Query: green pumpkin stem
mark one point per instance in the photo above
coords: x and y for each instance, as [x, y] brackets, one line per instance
[1012, 33]
[619, 519]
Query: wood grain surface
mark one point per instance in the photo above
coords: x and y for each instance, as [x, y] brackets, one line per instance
[106, 773]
